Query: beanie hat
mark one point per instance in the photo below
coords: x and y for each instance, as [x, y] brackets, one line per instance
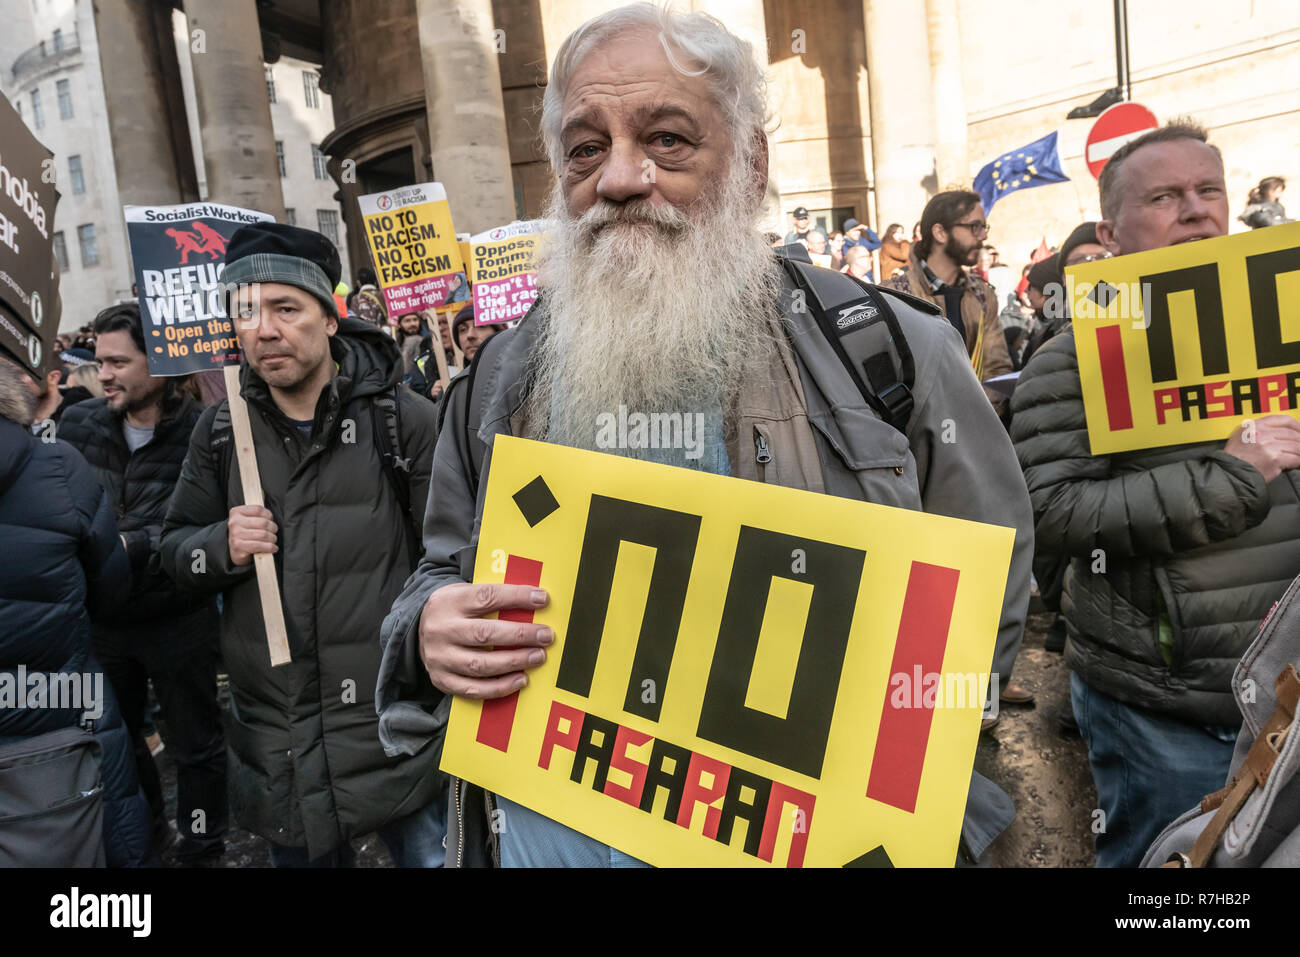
[276, 252]
[1085, 233]
[463, 317]
[1045, 272]
[76, 356]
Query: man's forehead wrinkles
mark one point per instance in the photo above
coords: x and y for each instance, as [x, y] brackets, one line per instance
[590, 112]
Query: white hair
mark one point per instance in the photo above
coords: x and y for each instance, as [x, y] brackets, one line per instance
[695, 44]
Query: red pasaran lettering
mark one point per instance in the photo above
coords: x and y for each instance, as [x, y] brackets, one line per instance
[497, 717]
[1273, 387]
[632, 794]
[696, 792]
[1166, 401]
[778, 799]
[1216, 404]
[905, 732]
[554, 736]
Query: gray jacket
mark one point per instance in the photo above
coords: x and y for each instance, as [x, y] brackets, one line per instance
[975, 477]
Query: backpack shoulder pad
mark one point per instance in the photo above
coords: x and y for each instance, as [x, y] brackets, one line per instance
[916, 302]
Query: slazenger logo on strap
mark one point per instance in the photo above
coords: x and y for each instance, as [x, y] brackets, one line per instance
[854, 314]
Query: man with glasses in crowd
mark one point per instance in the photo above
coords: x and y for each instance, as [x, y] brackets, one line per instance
[953, 230]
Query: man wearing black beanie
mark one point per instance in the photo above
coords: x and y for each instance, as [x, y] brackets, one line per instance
[1048, 293]
[344, 457]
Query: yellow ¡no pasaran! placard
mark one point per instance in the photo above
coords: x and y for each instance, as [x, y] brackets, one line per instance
[1181, 344]
[743, 674]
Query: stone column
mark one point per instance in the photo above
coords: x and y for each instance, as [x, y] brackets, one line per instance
[952, 160]
[467, 123]
[902, 109]
[746, 19]
[150, 138]
[234, 112]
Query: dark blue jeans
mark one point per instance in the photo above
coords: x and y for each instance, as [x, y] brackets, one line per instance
[1148, 769]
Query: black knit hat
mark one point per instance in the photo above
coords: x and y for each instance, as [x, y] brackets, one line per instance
[1045, 272]
[465, 316]
[1084, 233]
[276, 252]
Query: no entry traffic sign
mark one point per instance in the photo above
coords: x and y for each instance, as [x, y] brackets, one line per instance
[1119, 124]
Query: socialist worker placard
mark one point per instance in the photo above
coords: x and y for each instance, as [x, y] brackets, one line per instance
[179, 254]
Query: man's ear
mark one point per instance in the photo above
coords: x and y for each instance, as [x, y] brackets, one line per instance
[331, 323]
[939, 235]
[1106, 236]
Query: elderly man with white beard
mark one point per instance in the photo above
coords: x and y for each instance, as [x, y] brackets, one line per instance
[654, 122]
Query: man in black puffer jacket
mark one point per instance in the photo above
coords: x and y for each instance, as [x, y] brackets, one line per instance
[1177, 552]
[62, 561]
[135, 439]
[308, 769]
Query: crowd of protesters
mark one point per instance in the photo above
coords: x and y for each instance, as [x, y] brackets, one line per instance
[130, 551]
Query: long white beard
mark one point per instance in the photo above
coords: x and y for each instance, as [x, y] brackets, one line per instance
[657, 309]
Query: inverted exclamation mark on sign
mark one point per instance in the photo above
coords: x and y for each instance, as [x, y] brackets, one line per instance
[498, 715]
[1114, 378]
[905, 731]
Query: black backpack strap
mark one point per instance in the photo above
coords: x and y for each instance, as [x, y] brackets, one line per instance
[864, 332]
[221, 440]
[386, 423]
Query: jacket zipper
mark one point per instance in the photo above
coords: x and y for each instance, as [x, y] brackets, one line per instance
[762, 452]
[460, 824]
[494, 840]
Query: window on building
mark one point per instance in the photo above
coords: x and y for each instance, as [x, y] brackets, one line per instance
[318, 166]
[311, 88]
[89, 250]
[279, 156]
[291, 216]
[61, 251]
[65, 99]
[327, 224]
[270, 85]
[75, 174]
[38, 114]
[58, 41]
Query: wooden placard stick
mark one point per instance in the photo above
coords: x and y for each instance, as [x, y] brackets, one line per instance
[277, 638]
[455, 347]
[439, 353]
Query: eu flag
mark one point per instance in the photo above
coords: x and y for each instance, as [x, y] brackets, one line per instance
[1034, 165]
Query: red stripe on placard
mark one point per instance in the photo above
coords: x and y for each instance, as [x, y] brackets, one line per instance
[498, 715]
[905, 731]
[1114, 378]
